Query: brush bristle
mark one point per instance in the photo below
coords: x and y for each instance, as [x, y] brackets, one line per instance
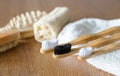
[24, 23]
[63, 49]
[8, 46]
[6, 29]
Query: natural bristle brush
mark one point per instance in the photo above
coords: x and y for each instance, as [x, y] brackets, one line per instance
[24, 22]
[18, 28]
[49, 45]
[62, 51]
[8, 39]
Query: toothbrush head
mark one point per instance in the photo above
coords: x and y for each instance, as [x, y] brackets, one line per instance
[62, 49]
[48, 45]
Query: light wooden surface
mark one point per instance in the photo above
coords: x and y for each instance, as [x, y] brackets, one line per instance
[25, 59]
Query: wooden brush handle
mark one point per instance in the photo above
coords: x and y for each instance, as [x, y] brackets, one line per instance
[110, 31]
[103, 41]
[89, 37]
[107, 43]
[108, 48]
[9, 36]
[94, 43]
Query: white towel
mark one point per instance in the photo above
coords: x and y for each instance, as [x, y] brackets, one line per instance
[109, 62]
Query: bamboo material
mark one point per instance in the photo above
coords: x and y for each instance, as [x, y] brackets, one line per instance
[95, 44]
[9, 36]
[24, 23]
[88, 37]
[8, 39]
[19, 27]
[108, 48]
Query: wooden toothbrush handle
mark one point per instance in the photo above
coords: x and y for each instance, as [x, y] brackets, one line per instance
[89, 37]
[107, 45]
[104, 41]
[85, 38]
[108, 48]
[110, 31]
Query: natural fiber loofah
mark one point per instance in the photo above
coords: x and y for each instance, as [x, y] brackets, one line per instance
[50, 25]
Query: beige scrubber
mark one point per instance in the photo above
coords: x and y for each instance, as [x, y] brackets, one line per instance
[50, 25]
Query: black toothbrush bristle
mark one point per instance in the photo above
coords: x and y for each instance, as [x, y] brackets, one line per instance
[63, 49]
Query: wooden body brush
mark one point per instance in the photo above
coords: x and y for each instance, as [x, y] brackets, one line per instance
[84, 39]
[9, 39]
[24, 23]
[60, 51]
[19, 27]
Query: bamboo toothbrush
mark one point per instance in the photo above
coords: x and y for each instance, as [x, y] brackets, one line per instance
[94, 44]
[83, 39]
[108, 48]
